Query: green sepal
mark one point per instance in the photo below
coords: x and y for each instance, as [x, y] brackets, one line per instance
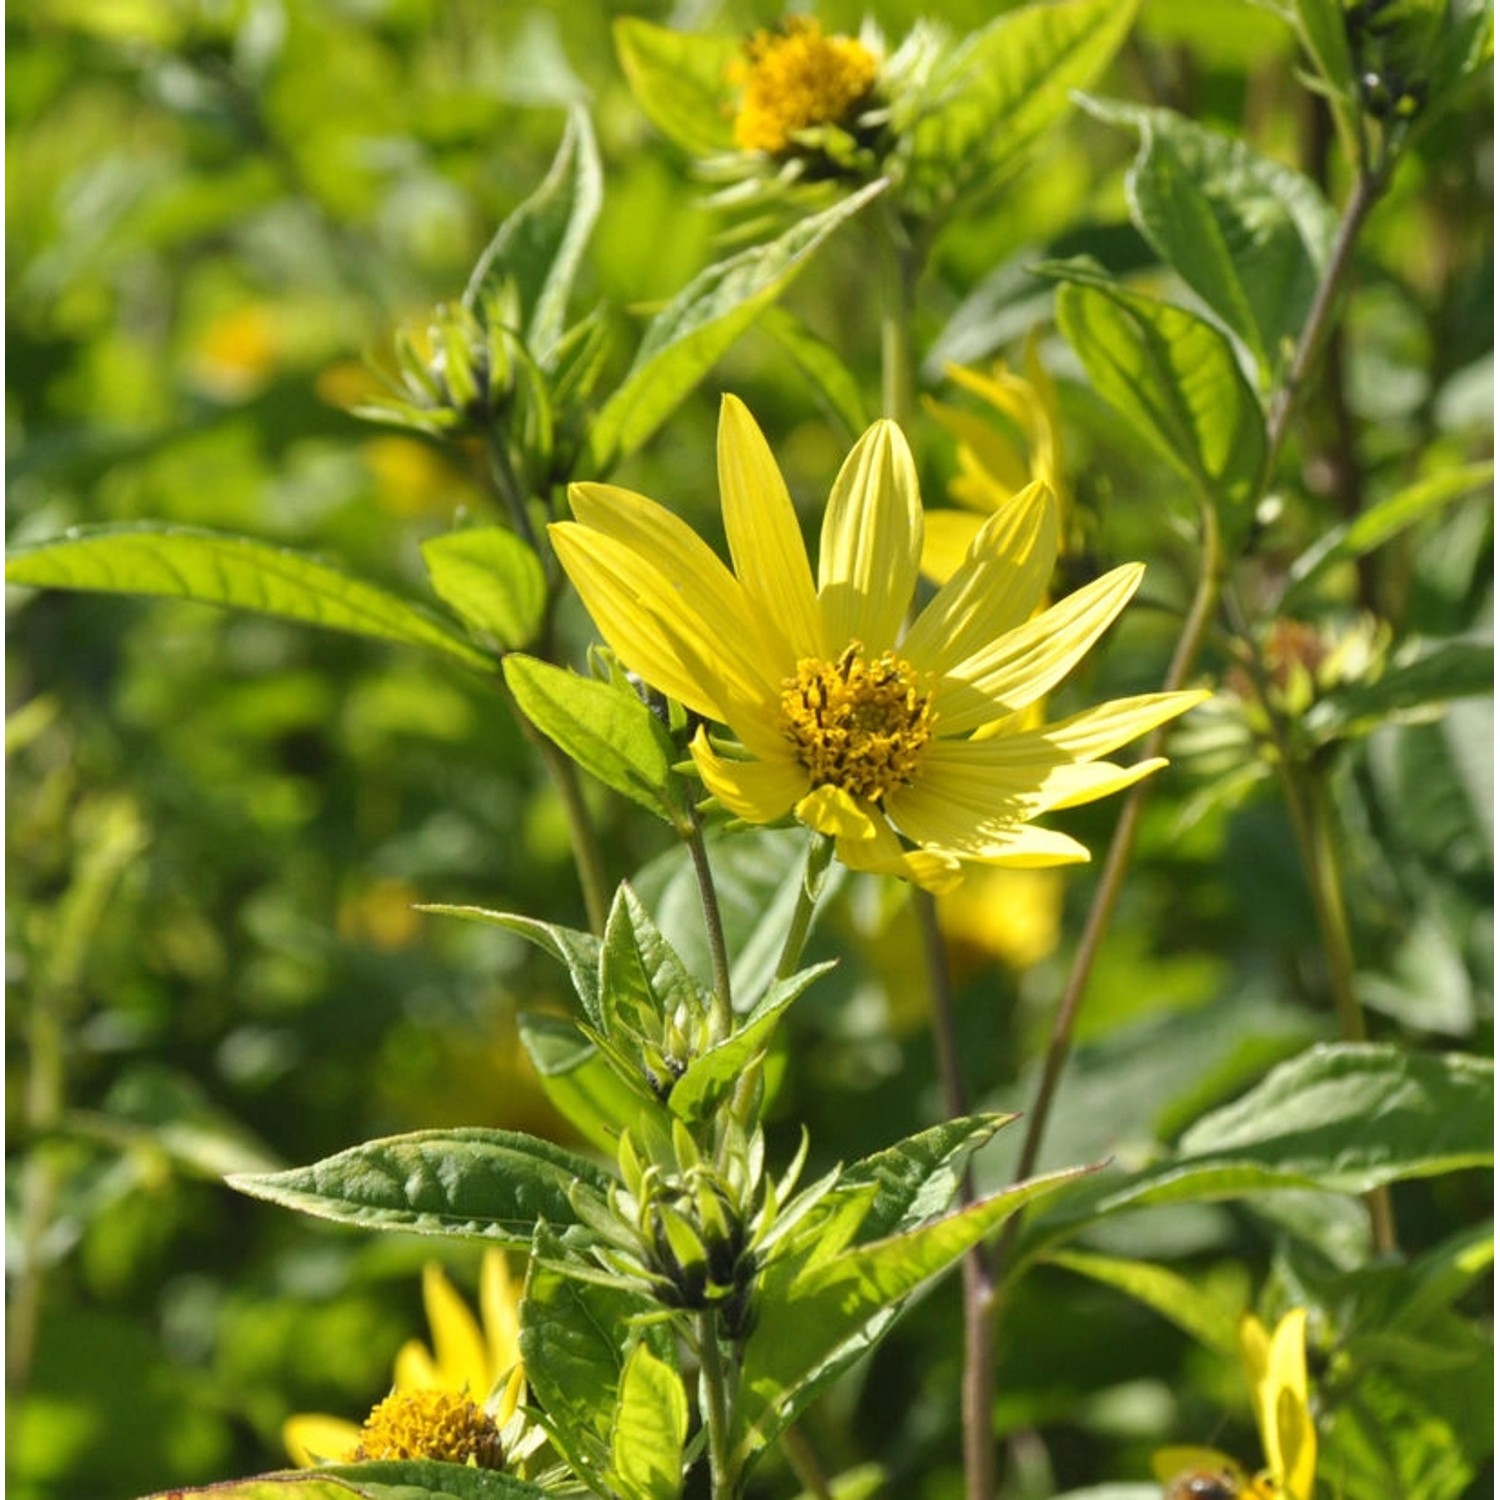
[603, 726]
[472, 1183]
[491, 580]
[233, 572]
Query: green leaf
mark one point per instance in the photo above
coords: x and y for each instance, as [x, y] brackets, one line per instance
[642, 981]
[289, 1486]
[601, 725]
[541, 245]
[577, 951]
[650, 1428]
[1174, 377]
[411, 1479]
[833, 382]
[710, 1078]
[700, 323]
[818, 1315]
[1250, 236]
[1438, 1278]
[1005, 84]
[573, 1336]
[491, 579]
[1175, 1297]
[680, 79]
[235, 573]
[1389, 517]
[1458, 669]
[581, 1083]
[478, 1184]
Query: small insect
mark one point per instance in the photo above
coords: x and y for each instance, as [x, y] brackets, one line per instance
[1204, 1484]
[1205, 1474]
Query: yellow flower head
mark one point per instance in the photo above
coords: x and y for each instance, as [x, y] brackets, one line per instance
[794, 78]
[433, 1424]
[992, 467]
[466, 1362]
[864, 730]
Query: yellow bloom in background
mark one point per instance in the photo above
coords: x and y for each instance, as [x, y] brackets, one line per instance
[795, 78]
[237, 353]
[1013, 917]
[992, 465]
[441, 1389]
[864, 730]
[1276, 1369]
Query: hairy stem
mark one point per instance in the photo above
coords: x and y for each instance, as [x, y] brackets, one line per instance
[722, 1485]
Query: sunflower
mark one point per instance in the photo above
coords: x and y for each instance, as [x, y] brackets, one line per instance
[436, 1406]
[795, 78]
[866, 731]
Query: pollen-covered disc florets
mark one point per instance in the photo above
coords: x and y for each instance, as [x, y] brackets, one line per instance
[856, 724]
[430, 1423]
[795, 78]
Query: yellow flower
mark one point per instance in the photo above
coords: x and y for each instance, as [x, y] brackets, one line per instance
[1276, 1369]
[795, 78]
[862, 729]
[992, 467]
[464, 1362]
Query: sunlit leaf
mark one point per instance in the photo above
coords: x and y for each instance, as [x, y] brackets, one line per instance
[680, 79]
[650, 1428]
[491, 579]
[583, 1086]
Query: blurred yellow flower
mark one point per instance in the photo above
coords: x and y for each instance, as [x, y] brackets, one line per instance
[413, 478]
[1008, 916]
[237, 353]
[992, 465]
[861, 728]
[465, 1361]
[794, 78]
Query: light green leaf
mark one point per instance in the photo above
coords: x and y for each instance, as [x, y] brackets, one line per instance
[577, 951]
[650, 1428]
[413, 1479]
[1250, 236]
[815, 1317]
[235, 573]
[680, 79]
[1457, 669]
[1175, 1297]
[833, 382]
[290, 1486]
[1440, 1276]
[601, 725]
[642, 981]
[584, 1088]
[1004, 84]
[474, 1183]
[1174, 377]
[711, 1077]
[1389, 517]
[541, 245]
[491, 579]
[700, 323]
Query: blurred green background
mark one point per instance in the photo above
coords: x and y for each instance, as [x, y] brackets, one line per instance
[218, 824]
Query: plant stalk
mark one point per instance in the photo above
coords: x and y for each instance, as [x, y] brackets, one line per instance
[722, 1485]
[819, 855]
[713, 923]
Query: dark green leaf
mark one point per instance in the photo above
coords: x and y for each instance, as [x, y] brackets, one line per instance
[236, 573]
[603, 726]
[680, 79]
[411, 1479]
[700, 323]
[479, 1184]
[491, 579]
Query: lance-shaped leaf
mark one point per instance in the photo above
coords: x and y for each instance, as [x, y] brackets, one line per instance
[1003, 85]
[1457, 669]
[573, 1339]
[1174, 377]
[700, 323]
[577, 951]
[832, 381]
[582, 1084]
[680, 79]
[711, 1077]
[641, 979]
[650, 1428]
[491, 579]
[1250, 236]
[603, 726]
[541, 245]
[474, 1183]
[233, 572]
[816, 1317]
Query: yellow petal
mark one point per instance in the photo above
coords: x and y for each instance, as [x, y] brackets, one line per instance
[880, 853]
[415, 1370]
[996, 588]
[1096, 731]
[832, 810]
[511, 1397]
[765, 541]
[759, 791]
[994, 453]
[312, 1438]
[872, 542]
[1072, 786]
[457, 1343]
[1287, 1427]
[499, 1310]
[1032, 659]
[946, 538]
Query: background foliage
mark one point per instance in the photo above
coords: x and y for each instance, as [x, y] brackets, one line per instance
[219, 823]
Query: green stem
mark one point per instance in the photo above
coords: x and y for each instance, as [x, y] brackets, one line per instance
[804, 1462]
[722, 1484]
[819, 853]
[898, 291]
[713, 922]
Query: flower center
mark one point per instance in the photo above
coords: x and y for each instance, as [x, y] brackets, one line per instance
[430, 1424]
[794, 78]
[860, 725]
